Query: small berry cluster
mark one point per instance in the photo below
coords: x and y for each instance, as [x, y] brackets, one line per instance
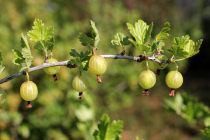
[29, 90]
[97, 65]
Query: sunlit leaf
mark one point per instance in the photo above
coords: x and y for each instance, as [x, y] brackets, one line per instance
[39, 32]
[164, 33]
[42, 35]
[178, 45]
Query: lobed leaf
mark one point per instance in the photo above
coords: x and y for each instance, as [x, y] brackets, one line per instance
[74, 53]
[164, 33]
[42, 35]
[91, 39]
[188, 108]
[178, 45]
[106, 131]
[192, 48]
[120, 40]
[39, 32]
[85, 40]
[114, 130]
[141, 32]
[24, 58]
[80, 59]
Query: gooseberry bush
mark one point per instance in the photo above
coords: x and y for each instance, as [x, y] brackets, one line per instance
[162, 51]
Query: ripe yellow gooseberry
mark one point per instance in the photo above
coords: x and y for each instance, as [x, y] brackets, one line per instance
[28, 92]
[97, 66]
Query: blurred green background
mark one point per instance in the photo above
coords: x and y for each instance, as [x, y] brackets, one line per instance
[57, 114]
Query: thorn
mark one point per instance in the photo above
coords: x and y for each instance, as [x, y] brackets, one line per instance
[29, 105]
[80, 95]
[99, 79]
[55, 77]
[172, 93]
[158, 72]
[145, 92]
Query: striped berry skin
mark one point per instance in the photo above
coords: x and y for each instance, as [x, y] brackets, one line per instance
[28, 91]
[147, 79]
[78, 84]
[52, 70]
[97, 65]
[174, 79]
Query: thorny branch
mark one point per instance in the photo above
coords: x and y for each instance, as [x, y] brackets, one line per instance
[65, 63]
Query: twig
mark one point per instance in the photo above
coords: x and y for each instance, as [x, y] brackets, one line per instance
[65, 63]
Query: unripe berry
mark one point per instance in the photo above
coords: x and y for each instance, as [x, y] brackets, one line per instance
[147, 80]
[97, 65]
[79, 85]
[174, 80]
[28, 92]
[52, 70]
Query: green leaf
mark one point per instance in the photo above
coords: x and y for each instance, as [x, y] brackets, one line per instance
[18, 57]
[205, 134]
[106, 131]
[164, 33]
[100, 134]
[85, 40]
[23, 58]
[80, 59]
[114, 130]
[91, 39]
[188, 108]
[74, 53]
[178, 45]
[39, 32]
[120, 40]
[142, 33]
[42, 36]
[148, 33]
[192, 48]
[94, 33]
[176, 104]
